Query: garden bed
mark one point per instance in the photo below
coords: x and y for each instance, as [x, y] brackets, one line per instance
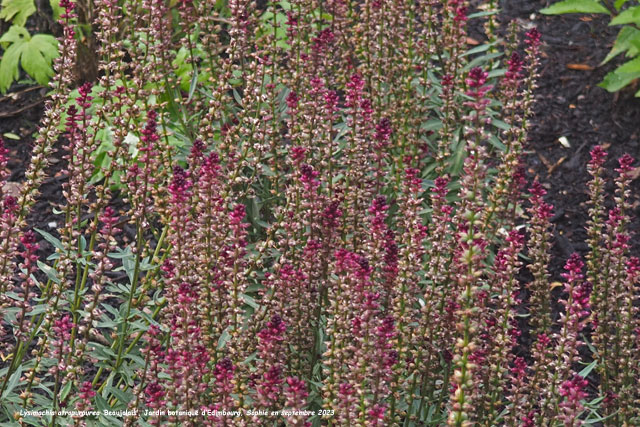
[571, 115]
[568, 103]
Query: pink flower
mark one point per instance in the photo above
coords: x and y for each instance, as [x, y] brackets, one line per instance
[533, 37]
[514, 66]
[573, 267]
[461, 14]
[383, 131]
[292, 100]
[476, 80]
[573, 392]
[85, 395]
[625, 164]
[376, 415]
[180, 185]
[155, 393]
[598, 156]
[331, 215]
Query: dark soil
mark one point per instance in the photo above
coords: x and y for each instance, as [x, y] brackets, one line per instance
[570, 104]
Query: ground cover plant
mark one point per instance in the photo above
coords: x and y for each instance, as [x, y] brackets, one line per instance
[315, 209]
[33, 53]
[623, 13]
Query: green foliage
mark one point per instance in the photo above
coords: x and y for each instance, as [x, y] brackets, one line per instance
[35, 55]
[57, 10]
[627, 41]
[17, 11]
[575, 6]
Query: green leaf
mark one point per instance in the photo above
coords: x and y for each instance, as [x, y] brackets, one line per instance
[632, 66]
[35, 54]
[250, 301]
[35, 62]
[102, 404]
[478, 49]
[16, 34]
[129, 264]
[193, 85]
[619, 3]
[57, 10]
[587, 369]
[49, 271]
[17, 11]
[224, 337]
[626, 37]
[500, 124]
[629, 16]
[49, 238]
[65, 391]
[122, 396]
[434, 124]
[9, 70]
[575, 6]
[615, 81]
[13, 382]
[481, 14]
[498, 72]
[10, 135]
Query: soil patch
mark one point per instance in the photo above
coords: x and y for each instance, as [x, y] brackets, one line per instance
[570, 104]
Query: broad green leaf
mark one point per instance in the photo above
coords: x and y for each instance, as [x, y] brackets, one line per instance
[498, 72]
[9, 70]
[614, 81]
[624, 41]
[122, 396]
[129, 264]
[102, 404]
[619, 3]
[482, 60]
[634, 47]
[37, 57]
[17, 11]
[632, 66]
[500, 124]
[57, 10]
[575, 6]
[433, 125]
[46, 44]
[15, 34]
[35, 54]
[629, 16]
[479, 49]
